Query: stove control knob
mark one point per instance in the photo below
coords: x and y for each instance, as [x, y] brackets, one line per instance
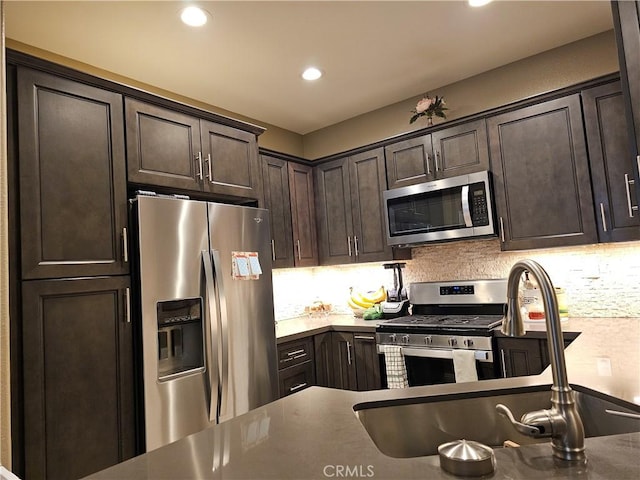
[428, 340]
[405, 339]
[467, 342]
[453, 342]
[392, 338]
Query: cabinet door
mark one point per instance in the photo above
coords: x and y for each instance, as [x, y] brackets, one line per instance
[461, 149]
[344, 361]
[542, 183]
[520, 356]
[163, 147]
[231, 161]
[626, 23]
[333, 203]
[78, 376]
[611, 164]
[367, 182]
[275, 175]
[73, 199]
[323, 355]
[367, 362]
[303, 215]
[409, 162]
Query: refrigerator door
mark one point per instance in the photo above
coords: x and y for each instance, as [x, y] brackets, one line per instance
[247, 347]
[179, 370]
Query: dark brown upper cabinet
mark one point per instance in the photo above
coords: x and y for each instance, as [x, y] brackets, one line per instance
[78, 376]
[171, 149]
[350, 209]
[626, 23]
[303, 215]
[275, 176]
[611, 162]
[457, 150]
[541, 176]
[73, 200]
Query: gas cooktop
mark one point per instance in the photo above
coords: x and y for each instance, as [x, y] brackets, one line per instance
[450, 321]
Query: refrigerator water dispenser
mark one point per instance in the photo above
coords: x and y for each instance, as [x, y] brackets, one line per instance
[180, 338]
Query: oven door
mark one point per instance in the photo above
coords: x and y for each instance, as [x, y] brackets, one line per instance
[433, 366]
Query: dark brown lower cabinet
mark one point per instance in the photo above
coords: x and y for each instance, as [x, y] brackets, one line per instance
[323, 351]
[78, 376]
[344, 365]
[526, 356]
[367, 361]
[296, 366]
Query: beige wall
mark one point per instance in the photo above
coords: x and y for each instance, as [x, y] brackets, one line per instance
[5, 392]
[557, 68]
[275, 138]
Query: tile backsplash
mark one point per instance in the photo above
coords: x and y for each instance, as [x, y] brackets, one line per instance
[601, 280]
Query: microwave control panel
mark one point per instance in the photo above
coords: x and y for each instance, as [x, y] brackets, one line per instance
[479, 209]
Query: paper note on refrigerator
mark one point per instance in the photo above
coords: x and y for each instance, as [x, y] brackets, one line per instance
[245, 266]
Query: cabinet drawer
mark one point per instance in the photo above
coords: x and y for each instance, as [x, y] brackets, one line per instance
[296, 378]
[295, 352]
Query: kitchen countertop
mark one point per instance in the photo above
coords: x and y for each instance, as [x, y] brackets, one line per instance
[303, 326]
[316, 434]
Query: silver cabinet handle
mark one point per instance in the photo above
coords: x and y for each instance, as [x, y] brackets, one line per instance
[273, 250]
[349, 244]
[504, 364]
[127, 305]
[209, 167]
[349, 352]
[627, 184]
[604, 221]
[438, 160]
[355, 244]
[298, 387]
[363, 337]
[125, 245]
[428, 169]
[200, 169]
[299, 254]
[501, 230]
[295, 352]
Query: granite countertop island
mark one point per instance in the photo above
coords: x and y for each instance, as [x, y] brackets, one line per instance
[315, 433]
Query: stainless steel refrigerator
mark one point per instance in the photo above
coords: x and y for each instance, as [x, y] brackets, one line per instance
[207, 327]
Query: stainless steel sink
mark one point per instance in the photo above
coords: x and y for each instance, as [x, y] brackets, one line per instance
[401, 429]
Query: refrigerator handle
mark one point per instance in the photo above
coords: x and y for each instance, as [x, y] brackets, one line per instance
[224, 333]
[211, 337]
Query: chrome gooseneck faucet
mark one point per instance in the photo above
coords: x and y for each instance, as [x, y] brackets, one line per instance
[562, 422]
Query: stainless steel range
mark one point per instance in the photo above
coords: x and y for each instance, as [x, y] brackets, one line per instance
[447, 316]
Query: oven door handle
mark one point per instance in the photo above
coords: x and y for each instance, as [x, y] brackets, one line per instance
[481, 355]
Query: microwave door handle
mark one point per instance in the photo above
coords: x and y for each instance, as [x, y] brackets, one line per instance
[466, 212]
[212, 333]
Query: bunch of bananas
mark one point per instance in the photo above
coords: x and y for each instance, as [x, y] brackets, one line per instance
[361, 301]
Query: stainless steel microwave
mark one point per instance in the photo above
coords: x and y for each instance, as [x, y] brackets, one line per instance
[447, 209]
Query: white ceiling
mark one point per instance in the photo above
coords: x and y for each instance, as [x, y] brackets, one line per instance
[249, 56]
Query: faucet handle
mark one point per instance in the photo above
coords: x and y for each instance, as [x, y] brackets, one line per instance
[528, 430]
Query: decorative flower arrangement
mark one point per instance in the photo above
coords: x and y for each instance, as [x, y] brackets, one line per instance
[428, 107]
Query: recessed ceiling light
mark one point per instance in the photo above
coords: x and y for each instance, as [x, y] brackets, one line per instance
[311, 73]
[193, 16]
[478, 3]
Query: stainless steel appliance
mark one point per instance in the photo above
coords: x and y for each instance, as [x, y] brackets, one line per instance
[207, 331]
[441, 210]
[447, 316]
